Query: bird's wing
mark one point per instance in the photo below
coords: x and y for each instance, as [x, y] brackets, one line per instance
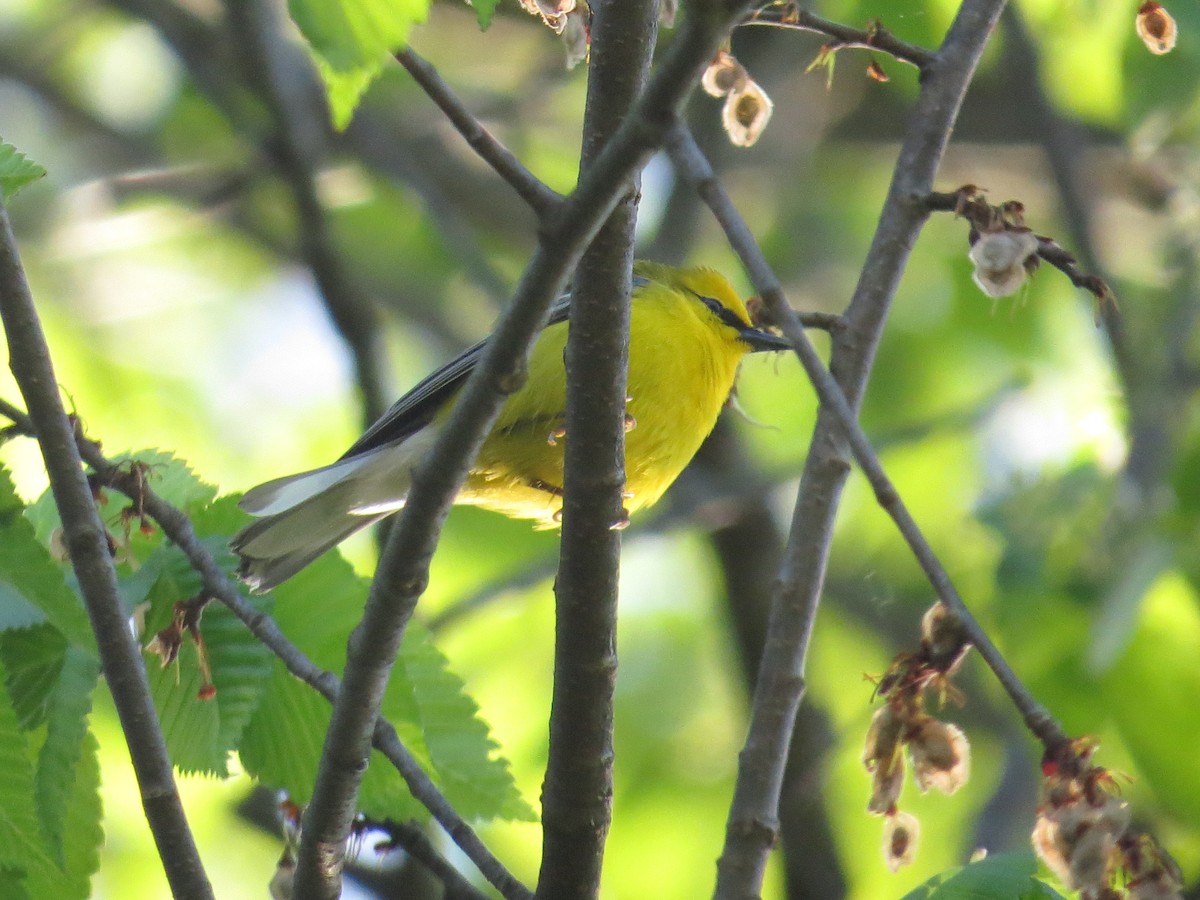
[417, 408]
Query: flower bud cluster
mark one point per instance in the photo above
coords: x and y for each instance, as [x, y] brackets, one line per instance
[938, 752]
[747, 106]
[1082, 833]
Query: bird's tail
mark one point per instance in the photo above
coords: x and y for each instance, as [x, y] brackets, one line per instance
[301, 516]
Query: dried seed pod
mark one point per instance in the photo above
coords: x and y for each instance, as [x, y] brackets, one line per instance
[1156, 27]
[1000, 258]
[746, 114]
[900, 834]
[724, 74]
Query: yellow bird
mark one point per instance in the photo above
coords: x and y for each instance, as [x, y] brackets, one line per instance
[688, 332]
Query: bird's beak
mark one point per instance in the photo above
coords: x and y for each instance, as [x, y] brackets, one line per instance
[760, 341]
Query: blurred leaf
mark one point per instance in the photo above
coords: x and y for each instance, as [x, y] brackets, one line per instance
[33, 658]
[1001, 876]
[67, 717]
[1154, 680]
[344, 90]
[21, 843]
[352, 39]
[484, 11]
[27, 570]
[16, 170]
[81, 831]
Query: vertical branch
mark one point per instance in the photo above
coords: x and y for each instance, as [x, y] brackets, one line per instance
[404, 567]
[577, 794]
[86, 540]
[753, 819]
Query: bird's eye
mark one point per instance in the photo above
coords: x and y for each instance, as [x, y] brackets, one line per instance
[724, 313]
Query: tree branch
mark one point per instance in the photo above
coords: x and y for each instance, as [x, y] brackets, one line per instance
[875, 37]
[404, 568]
[753, 821]
[177, 527]
[577, 792]
[541, 199]
[85, 538]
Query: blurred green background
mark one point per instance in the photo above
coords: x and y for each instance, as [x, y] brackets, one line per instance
[1058, 480]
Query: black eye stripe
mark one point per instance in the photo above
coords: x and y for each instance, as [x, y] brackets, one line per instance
[724, 313]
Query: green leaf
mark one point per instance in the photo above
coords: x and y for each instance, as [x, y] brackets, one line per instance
[21, 842]
[1148, 687]
[81, 830]
[33, 658]
[12, 885]
[67, 719]
[478, 783]
[425, 701]
[351, 40]
[1002, 876]
[282, 744]
[16, 170]
[200, 733]
[484, 11]
[27, 570]
[344, 90]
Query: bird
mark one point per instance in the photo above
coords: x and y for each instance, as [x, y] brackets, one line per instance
[689, 330]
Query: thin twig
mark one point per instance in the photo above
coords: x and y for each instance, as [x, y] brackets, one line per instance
[875, 37]
[417, 844]
[177, 527]
[86, 541]
[542, 199]
[404, 567]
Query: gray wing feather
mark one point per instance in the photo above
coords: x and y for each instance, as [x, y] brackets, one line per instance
[416, 409]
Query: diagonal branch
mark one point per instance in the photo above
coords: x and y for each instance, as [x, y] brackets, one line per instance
[753, 819]
[177, 527]
[404, 568]
[85, 538]
[690, 159]
[541, 199]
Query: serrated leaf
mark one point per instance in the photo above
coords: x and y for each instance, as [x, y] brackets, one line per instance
[67, 721]
[436, 720]
[351, 34]
[27, 569]
[33, 658]
[351, 40]
[22, 847]
[1001, 876]
[282, 744]
[200, 734]
[476, 781]
[82, 832]
[16, 170]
